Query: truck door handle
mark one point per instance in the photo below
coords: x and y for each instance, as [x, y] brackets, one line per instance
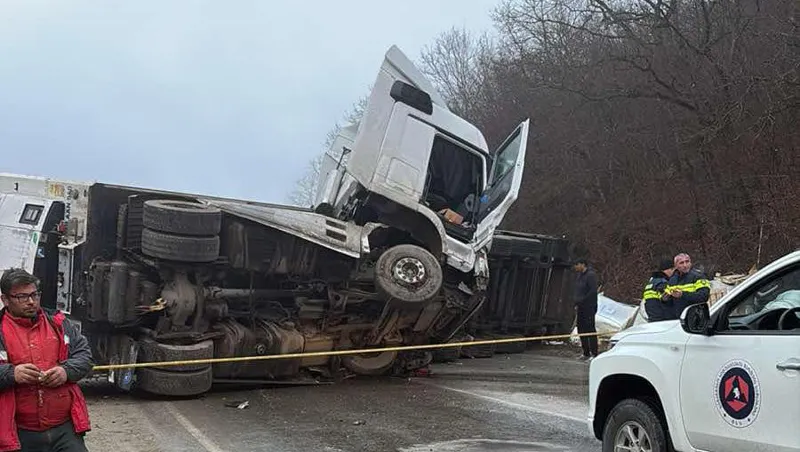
[790, 364]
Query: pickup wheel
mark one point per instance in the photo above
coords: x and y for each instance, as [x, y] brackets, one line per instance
[634, 425]
[409, 274]
[181, 217]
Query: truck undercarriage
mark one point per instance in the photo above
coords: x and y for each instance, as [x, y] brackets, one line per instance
[395, 252]
[171, 278]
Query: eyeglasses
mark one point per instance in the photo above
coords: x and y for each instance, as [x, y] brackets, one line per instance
[20, 297]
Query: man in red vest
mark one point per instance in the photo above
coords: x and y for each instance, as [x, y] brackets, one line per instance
[42, 357]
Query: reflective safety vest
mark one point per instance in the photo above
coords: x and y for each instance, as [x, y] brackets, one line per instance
[655, 287]
[694, 285]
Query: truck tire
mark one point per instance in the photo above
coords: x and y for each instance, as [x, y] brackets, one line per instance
[645, 422]
[162, 382]
[372, 364]
[152, 351]
[179, 247]
[409, 274]
[181, 217]
[478, 351]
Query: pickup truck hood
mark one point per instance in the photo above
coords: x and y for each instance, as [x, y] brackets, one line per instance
[648, 328]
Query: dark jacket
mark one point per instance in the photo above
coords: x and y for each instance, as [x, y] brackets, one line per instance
[657, 306]
[695, 288]
[75, 357]
[694, 285]
[586, 290]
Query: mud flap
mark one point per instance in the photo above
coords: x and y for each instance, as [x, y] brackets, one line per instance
[126, 351]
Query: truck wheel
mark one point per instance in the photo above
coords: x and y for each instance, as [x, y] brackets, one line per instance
[179, 247]
[369, 363]
[181, 217]
[162, 382]
[634, 423]
[408, 273]
[152, 351]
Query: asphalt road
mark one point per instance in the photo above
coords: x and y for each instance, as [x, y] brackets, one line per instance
[513, 403]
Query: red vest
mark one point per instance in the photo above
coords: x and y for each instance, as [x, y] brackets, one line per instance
[26, 407]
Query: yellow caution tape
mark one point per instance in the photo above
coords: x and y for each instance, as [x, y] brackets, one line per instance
[342, 352]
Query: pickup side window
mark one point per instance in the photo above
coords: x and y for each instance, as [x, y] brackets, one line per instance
[31, 214]
[760, 308]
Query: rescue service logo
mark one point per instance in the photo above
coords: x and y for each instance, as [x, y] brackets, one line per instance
[738, 393]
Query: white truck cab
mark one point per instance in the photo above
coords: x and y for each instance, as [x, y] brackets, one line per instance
[409, 158]
[720, 379]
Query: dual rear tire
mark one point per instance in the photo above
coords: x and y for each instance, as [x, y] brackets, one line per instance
[181, 231]
[185, 380]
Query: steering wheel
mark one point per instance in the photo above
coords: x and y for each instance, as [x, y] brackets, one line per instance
[785, 316]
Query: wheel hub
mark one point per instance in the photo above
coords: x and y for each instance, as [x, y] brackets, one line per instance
[632, 437]
[409, 271]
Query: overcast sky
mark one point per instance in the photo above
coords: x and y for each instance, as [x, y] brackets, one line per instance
[230, 98]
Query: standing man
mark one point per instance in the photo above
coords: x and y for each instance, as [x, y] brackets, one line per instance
[42, 357]
[586, 306]
[657, 303]
[687, 286]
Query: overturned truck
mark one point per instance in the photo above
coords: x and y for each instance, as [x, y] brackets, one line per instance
[394, 253]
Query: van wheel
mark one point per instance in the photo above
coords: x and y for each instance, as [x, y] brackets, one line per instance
[409, 274]
[634, 425]
[181, 217]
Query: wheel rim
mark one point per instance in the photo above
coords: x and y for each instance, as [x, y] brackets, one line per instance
[409, 271]
[632, 437]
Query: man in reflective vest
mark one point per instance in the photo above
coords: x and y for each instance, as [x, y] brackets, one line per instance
[42, 357]
[657, 303]
[687, 286]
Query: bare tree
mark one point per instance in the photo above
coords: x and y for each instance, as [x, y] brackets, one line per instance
[305, 189]
[457, 63]
[657, 126]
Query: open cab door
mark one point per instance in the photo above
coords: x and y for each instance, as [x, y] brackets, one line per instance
[503, 184]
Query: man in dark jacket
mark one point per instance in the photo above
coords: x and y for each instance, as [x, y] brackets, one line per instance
[687, 286]
[586, 306]
[657, 303]
[42, 357]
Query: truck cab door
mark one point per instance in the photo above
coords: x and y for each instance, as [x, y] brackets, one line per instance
[503, 184]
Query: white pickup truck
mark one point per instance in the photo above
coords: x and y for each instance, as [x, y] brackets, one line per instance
[720, 379]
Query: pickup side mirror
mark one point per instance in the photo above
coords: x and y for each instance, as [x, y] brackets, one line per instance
[695, 319]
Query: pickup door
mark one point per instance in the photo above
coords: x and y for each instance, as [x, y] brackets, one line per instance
[740, 388]
[503, 184]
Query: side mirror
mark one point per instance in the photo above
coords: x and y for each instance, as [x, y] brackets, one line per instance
[695, 319]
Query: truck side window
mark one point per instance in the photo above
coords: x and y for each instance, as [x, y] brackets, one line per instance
[31, 214]
[453, 174]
